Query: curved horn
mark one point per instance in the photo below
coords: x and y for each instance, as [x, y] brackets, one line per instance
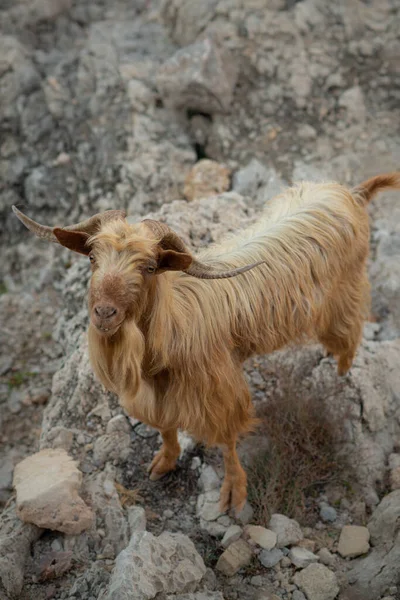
[170, 240]
[89, 226]
[41, 231]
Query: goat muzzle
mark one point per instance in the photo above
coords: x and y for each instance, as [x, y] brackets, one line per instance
[106, 318]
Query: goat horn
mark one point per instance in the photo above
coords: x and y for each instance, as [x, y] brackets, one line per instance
[170, 240]
[88, 226]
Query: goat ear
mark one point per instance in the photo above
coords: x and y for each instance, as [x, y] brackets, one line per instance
[169, 260]
[73, 240]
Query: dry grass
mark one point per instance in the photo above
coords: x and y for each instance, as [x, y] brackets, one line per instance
[303, 456]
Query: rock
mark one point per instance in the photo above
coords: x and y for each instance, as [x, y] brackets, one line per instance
[301, 557]
[208, 479]
[186, 20]
[326, 557]
[383, 523]
[94, 579]
[236, 556]
[47, 485]
[307, 132]
[118, 423]
[14, 401]
[60, 437]
[149, 565]
[136, 519]
[208, 505]
[353, 541]
[327, 513]
[257, 181]
[317, 582]
[6, 476]
[15, 545]
[197, 596]
[246, 514]
[232, 534]
[113, 446]
[288, 531]
[373, 575]
[297, 595]
[270, 558]
[261, 536]
[353, 101]
[309, 545]
[200, 77]
[105, 500]
[206, 178]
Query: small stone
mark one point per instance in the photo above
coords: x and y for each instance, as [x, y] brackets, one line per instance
[246, 514]
[326, 557]
[270, 558]
[301, 557]
[327, 513]
[168, 514]
[371, 330]
[47, 485]
[199, 77]
[62, 159]
[285, 562]
[288, 531]
[118, 423]
[262, 536]
[14, 401]
[232, 534]
[196, 463]
[257, 581]
[235, 557]
[307, 132]
[317, 582]
[310, 545]
[353, 101]
[206, 178]
[353, 541]
[297, 595]
[208, 479]
[136, 518]
[208, 506]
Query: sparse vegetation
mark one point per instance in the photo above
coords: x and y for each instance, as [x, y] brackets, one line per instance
[303, 455]
[17, 378]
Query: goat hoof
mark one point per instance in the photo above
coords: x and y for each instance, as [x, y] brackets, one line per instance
[232, 497]
[160, 466]
[154, 476]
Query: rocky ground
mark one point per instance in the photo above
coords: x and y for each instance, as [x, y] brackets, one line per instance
[113, 104]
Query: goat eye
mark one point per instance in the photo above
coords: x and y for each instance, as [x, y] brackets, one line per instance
[91, 258]
[151, 269]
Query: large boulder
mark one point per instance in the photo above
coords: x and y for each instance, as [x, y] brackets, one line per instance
[150, 565]
[47, 485]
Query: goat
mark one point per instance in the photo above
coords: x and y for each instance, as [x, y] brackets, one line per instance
[169, 332]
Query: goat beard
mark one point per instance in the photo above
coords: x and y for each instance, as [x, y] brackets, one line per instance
[117, 360]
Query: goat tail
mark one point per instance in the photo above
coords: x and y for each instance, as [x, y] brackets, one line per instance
[368, 189]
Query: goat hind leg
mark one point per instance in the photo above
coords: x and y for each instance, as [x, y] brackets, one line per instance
[234, 487]
[165, 459]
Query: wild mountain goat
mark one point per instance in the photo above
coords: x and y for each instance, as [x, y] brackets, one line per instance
[169, 332]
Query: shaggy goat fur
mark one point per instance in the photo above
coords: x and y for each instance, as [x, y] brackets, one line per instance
[176, 359]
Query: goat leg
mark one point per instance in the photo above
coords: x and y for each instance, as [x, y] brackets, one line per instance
[165, 459]
[234, 487]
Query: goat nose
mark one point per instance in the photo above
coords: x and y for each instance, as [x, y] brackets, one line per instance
[105, 311]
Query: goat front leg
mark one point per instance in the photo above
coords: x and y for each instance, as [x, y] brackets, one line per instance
[234, 487]
[165, 459]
